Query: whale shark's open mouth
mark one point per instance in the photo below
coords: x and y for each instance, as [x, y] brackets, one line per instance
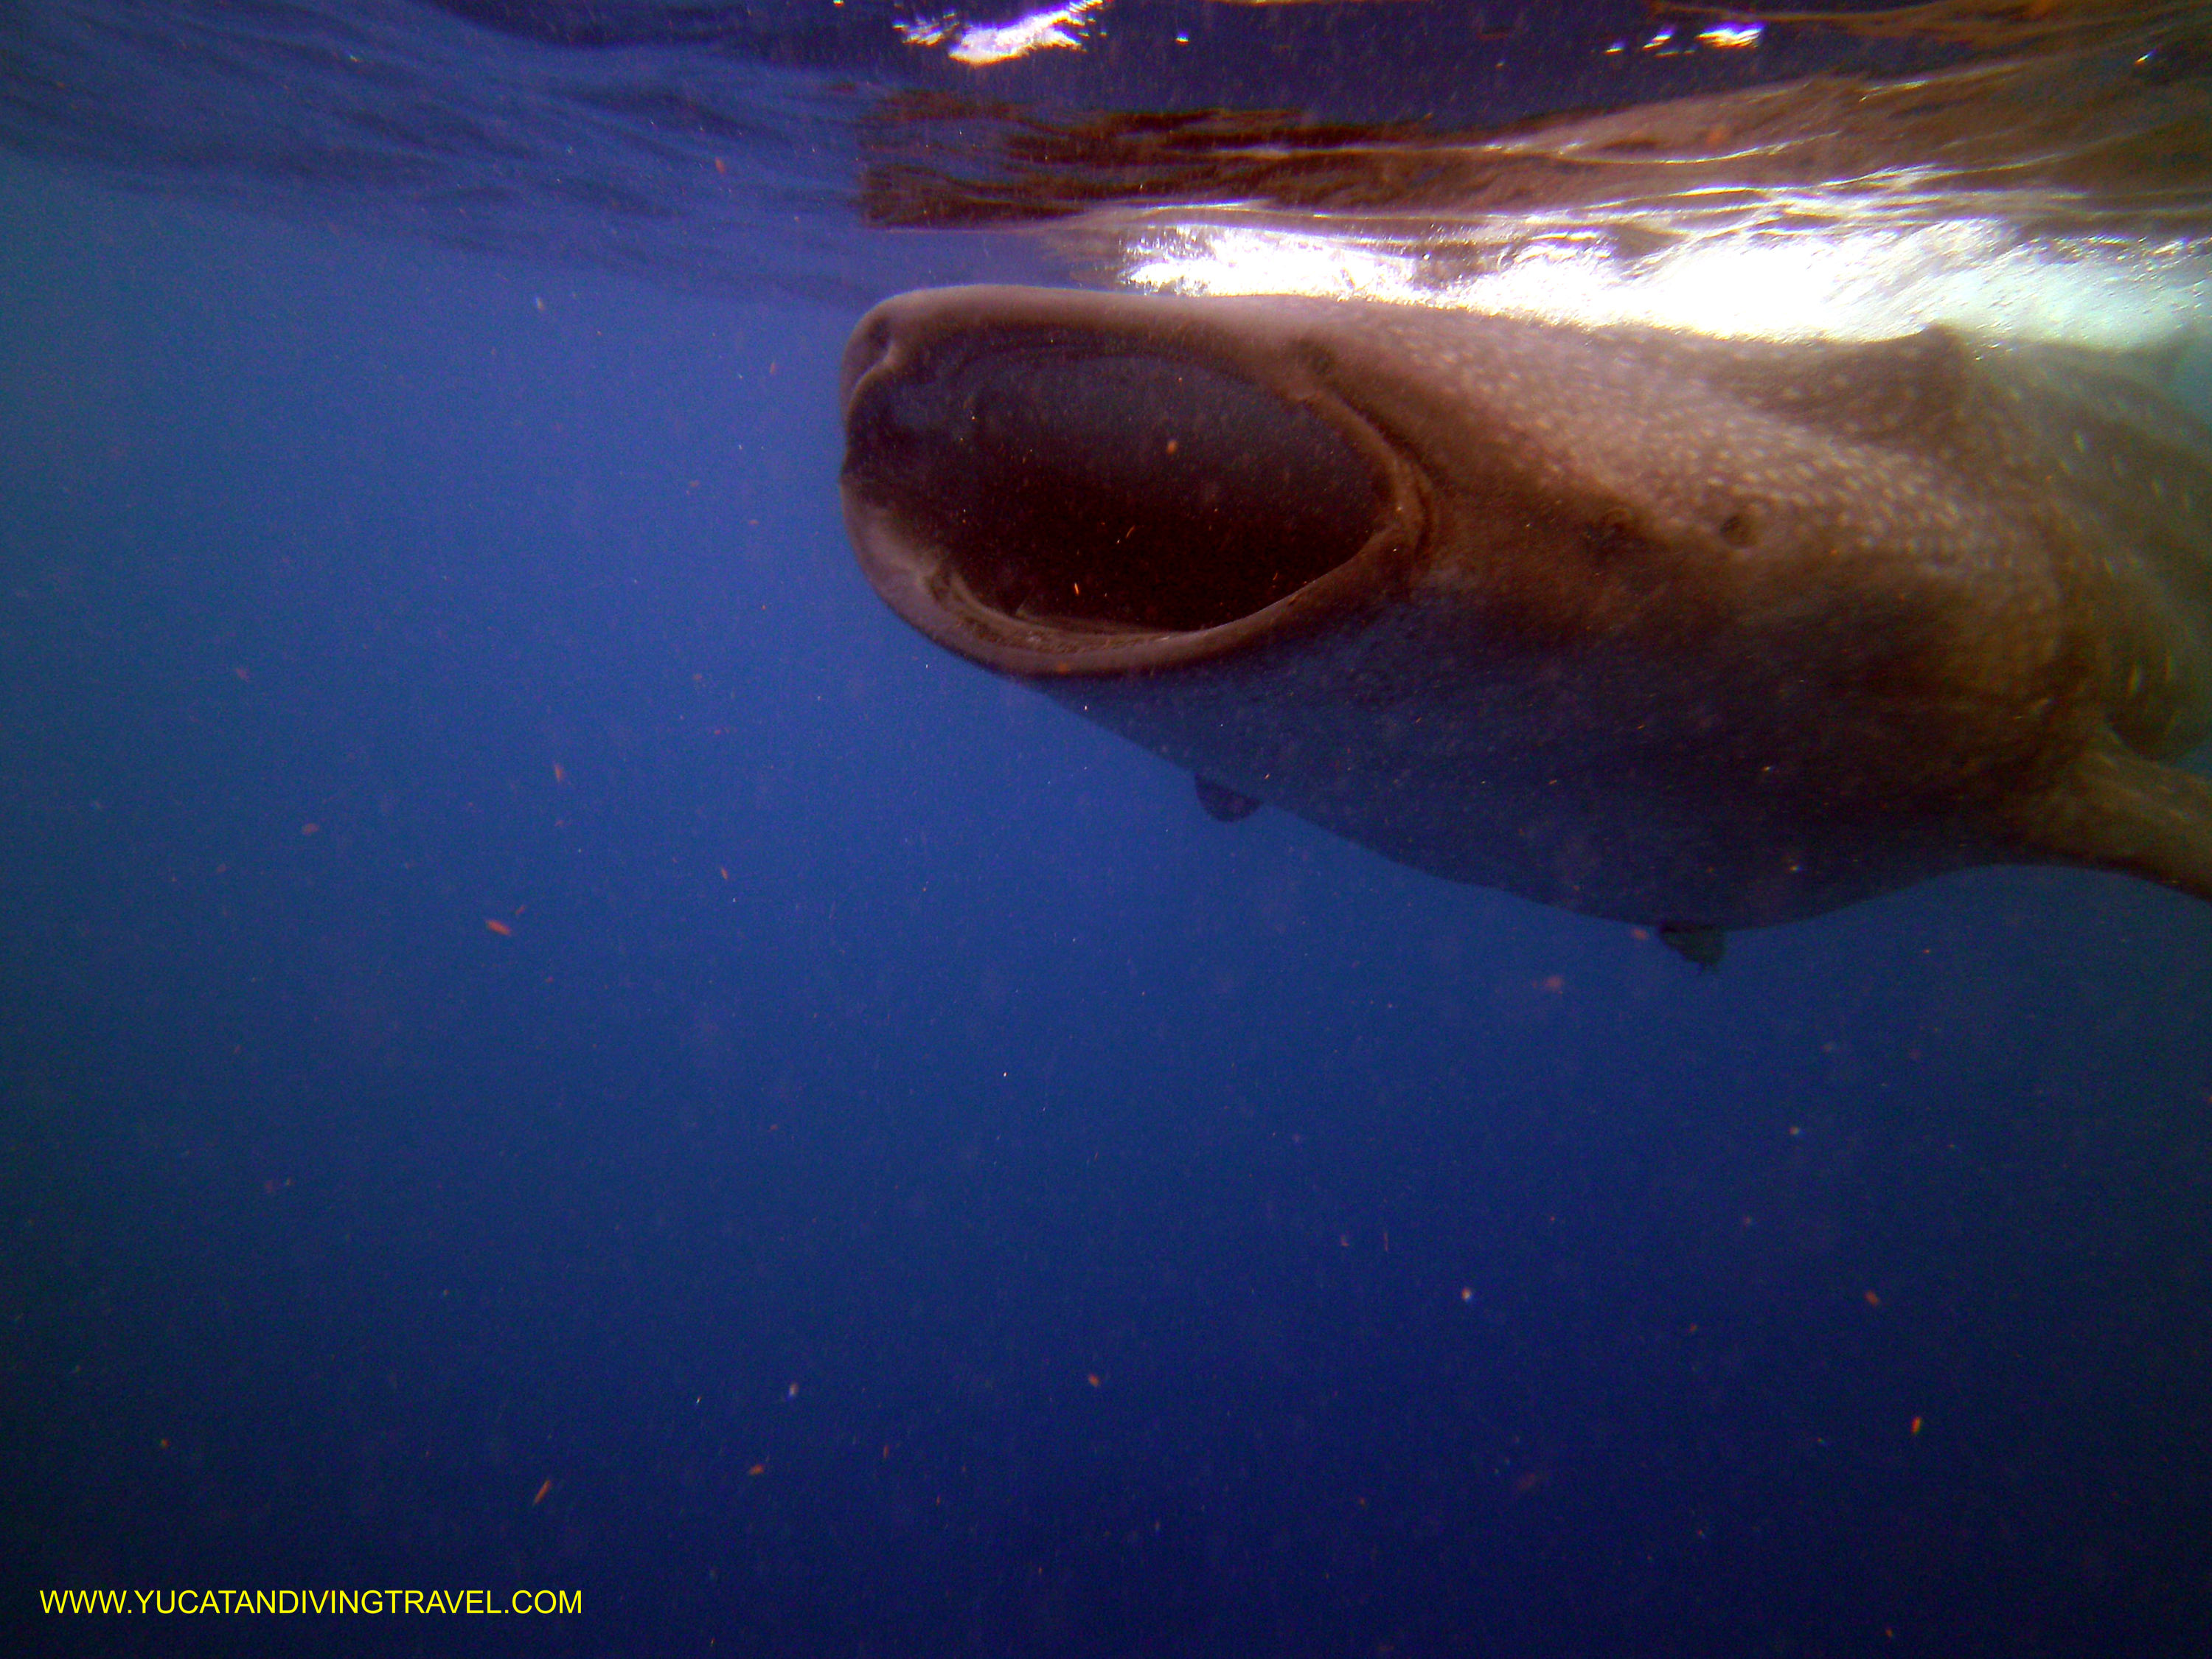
[1041, 486]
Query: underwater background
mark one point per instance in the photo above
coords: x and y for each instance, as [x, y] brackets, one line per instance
[547, 1042]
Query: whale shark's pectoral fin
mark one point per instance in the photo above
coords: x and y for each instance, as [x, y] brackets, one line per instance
[2116, 810]
[1695, 942]
[1222, 804]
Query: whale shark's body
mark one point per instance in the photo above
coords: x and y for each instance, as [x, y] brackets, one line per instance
[1693, 633]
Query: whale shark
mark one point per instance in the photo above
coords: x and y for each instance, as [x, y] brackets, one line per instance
[1697, 633]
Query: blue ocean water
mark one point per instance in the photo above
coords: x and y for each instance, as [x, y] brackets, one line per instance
[549, 1043]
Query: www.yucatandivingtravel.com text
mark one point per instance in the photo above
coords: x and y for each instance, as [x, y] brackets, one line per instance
[232, 1602]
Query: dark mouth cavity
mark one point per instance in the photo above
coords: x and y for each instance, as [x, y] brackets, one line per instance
[1085, 484]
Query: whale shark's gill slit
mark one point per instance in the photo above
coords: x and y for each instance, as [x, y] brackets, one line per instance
[1080, 485]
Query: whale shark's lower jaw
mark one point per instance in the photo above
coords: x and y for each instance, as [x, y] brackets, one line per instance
[1051, 495]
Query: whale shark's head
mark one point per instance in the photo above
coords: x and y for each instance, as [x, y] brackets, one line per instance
[1057, 482]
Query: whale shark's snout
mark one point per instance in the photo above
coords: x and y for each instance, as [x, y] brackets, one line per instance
[1051, 483]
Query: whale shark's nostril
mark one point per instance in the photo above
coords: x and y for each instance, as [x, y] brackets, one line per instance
[870, 346]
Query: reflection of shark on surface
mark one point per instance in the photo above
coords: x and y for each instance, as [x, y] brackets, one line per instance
[1694, 633]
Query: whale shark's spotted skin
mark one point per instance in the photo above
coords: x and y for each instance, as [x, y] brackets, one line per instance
[1691, 633]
